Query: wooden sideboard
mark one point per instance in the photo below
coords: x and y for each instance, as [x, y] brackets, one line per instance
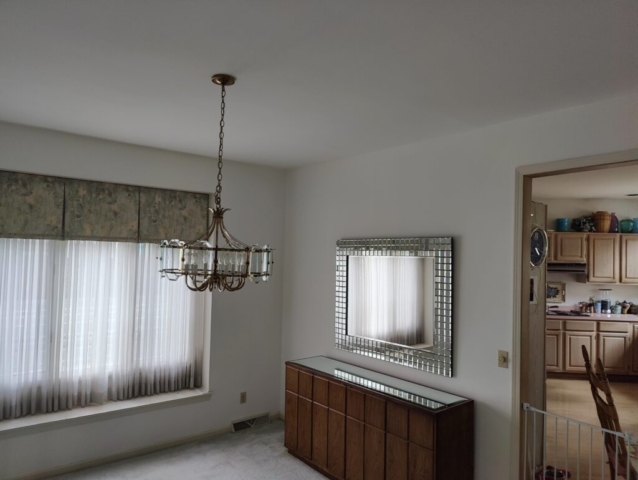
[351, 423]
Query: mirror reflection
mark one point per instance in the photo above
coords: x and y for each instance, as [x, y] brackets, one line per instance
[394, 300]
[391, 299]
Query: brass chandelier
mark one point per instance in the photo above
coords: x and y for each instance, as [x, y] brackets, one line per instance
[227, 262]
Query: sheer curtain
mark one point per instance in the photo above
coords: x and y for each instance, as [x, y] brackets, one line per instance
[387, 299]
[84, 322]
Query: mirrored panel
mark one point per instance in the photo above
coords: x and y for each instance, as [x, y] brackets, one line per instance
[394, 301]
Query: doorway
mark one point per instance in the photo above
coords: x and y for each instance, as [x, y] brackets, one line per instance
[529, 374]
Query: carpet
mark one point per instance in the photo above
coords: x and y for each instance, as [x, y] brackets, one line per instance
[253, 454]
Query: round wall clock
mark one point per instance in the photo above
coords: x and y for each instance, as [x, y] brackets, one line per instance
[538, 246]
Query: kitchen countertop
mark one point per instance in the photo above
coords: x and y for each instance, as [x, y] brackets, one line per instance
[606, 317]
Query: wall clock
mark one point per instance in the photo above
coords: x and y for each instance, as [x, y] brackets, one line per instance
[538, 247]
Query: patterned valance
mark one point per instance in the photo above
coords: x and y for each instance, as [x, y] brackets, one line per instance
[31, 206]
[37, 206]
[168, 214]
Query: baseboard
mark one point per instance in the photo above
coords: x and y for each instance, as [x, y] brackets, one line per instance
[73, 467]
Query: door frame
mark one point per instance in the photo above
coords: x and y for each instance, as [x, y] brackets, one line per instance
[523, 198]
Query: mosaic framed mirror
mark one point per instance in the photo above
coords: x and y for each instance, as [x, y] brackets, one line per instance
[394, 300]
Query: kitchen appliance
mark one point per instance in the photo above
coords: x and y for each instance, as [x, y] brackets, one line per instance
[604, 296]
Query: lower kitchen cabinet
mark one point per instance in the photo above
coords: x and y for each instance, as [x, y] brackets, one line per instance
[366, 434]
[554, 351]
[615, 343]
[574, 342]
[614, 351]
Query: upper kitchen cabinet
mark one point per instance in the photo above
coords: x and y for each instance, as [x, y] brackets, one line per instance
[551, 238]
[629, 259]
[604, 258]
[569, 247]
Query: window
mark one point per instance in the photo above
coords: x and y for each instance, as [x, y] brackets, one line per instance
[85, 322]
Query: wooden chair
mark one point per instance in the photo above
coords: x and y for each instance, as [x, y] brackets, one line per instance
[608, 416]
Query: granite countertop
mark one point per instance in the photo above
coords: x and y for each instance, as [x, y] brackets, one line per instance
[606, 317]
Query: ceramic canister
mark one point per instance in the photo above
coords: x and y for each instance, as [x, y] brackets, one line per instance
[562, 224]
[635, 230]
[626, 225]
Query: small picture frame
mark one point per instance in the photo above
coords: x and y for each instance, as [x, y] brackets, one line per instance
[555, 292]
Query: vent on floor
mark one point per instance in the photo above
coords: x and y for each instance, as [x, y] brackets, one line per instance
[257, 421]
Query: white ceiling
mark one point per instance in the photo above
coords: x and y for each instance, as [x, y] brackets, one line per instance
[317, 80]
[608, 183]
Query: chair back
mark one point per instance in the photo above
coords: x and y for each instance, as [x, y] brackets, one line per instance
[608, 416]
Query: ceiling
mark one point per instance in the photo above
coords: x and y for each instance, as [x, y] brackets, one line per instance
[317, 80]
[607, 183]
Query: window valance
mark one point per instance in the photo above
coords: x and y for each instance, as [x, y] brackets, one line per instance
[38, 206]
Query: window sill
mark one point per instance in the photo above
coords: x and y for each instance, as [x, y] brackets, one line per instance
[94, 413]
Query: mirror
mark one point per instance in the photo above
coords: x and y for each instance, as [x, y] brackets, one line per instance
[394, 301]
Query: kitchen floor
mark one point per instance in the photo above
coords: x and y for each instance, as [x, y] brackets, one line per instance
[573, 399]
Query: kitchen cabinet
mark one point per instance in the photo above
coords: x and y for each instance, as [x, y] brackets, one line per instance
[551, 239]
[612, 258]
[569, 247]
[629, 259]
[616, 343]
[363, 433]
[614, 351]
[554, 351]
[554, 341]
[603, 263]
[573, 350]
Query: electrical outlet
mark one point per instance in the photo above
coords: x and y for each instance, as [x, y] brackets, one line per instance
[242, 397]
[503, 359]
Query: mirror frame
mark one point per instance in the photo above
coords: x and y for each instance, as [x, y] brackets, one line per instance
[436, 359]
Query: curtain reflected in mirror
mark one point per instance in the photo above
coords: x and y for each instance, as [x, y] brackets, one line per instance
[391, 299]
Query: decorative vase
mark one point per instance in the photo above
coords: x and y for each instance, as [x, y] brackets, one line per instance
[602, 221]
[562, 224]
[626, 226]
[635, 230]
[613, 226]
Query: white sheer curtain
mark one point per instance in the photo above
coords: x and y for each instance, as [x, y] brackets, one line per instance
[85, 322]
[388, 298]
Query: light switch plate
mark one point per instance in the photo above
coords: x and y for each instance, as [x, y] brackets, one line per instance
[503, 359]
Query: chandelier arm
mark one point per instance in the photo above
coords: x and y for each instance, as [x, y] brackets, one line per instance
[189, 287]
[230, 239]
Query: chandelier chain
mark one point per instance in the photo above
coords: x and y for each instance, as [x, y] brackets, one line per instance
[220, 162]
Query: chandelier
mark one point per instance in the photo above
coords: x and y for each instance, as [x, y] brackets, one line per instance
[227, 262]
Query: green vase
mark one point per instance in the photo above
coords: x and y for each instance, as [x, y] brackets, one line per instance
[626, 226]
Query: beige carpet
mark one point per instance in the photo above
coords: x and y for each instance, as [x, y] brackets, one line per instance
[254, 454]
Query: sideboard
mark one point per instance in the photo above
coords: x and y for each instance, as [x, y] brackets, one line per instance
[351, 423]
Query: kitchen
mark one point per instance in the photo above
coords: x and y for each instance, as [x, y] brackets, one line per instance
[591, 289]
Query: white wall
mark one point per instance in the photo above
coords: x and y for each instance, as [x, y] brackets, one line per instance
[464, 186]
[246, 325]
